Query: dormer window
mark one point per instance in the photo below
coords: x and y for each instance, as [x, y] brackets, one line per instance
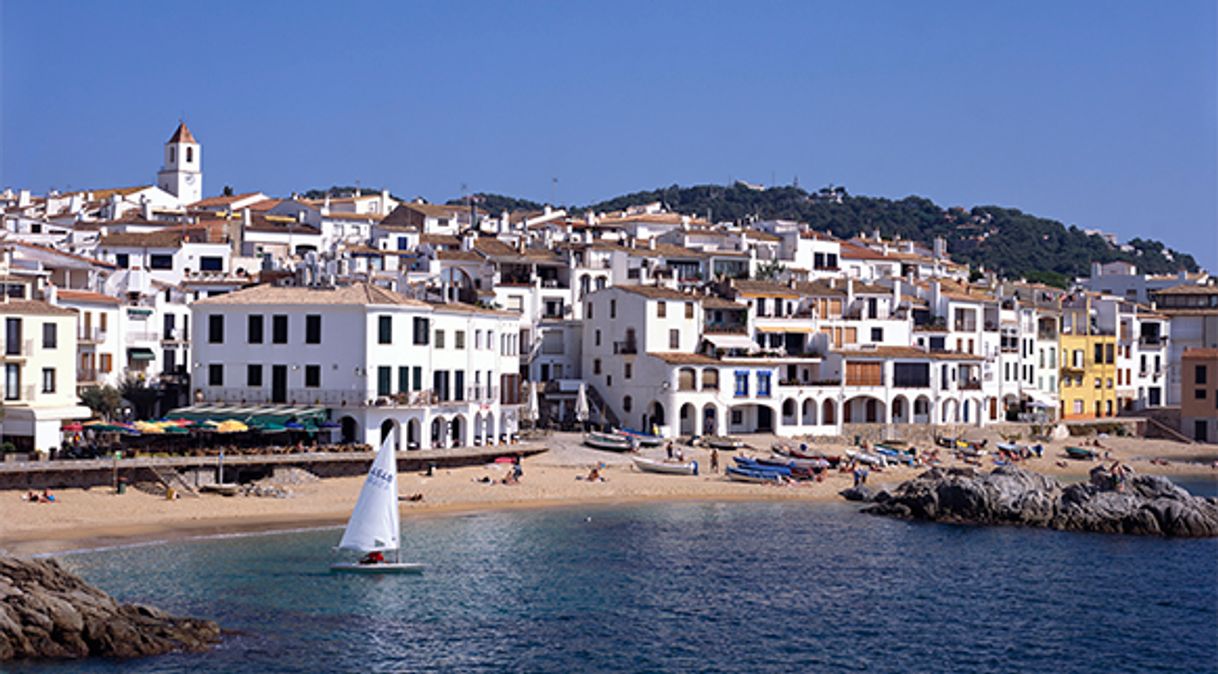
[190, 154]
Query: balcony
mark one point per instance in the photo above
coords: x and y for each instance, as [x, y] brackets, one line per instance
[19, 349]
[91, 335]
[87, 376]
[1152, 342]
[625, 348]
[175, 336]
[973, 385]
[138, 336]
[724, 329]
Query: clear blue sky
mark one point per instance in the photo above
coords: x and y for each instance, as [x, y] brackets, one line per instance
[1101, 114]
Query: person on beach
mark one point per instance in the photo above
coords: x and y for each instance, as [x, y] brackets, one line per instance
[714, 460]
[669, 448]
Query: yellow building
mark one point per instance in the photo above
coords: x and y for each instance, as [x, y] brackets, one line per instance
[1087, 385]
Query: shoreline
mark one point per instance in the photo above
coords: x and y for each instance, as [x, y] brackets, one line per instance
[83, 520]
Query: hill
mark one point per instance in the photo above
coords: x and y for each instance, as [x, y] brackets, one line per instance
[1005, 240]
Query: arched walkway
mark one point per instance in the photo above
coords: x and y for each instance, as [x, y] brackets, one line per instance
[459, 431]
[688, 417]
[900, 410]
[412, 434]
[790, 412]
[951, 410]
[488, 430]
[390, 428]
[809, 417]
[710, 419]
[863, 410]
[653, 419]
[828, 413]
[439, 433]
[348, 429]
[921, 411]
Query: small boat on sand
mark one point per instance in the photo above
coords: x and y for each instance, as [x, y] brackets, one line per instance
[752, 476]
[863, 457]
[1081, 453]
[613, 442]
[665, 468]
[644, 439]
[724, 442]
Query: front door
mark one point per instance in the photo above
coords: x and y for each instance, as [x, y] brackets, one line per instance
[1199, 430]
[765, 419]
[279, 383]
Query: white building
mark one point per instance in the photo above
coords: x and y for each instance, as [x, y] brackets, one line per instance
[435, 375]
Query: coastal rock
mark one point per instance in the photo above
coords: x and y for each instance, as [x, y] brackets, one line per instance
[47, 611]
[1111, 503]
[860, 493]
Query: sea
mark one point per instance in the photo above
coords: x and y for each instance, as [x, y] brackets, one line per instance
[683, 587]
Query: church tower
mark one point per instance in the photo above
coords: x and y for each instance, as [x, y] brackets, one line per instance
[182, 174]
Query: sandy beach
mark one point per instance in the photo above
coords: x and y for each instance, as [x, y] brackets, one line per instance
[97, 517]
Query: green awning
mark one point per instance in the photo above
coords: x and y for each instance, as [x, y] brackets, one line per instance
[134, 311]
[270, 416]
[140, 353]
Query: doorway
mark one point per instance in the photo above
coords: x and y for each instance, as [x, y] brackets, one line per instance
[279, 383]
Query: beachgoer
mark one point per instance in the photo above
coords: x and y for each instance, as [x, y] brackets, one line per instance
[863, 473]
[857, 477]
[47, 497]
[680, 454]
[669, 447]
[714, 460]
[594, 475]
[374, 557]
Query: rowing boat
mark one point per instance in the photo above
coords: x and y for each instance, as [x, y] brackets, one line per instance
[612, 442]
[665, 468]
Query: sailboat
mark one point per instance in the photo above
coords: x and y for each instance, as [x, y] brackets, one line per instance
[374, 525]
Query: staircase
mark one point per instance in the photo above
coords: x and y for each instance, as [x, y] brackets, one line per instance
[1164, 430]
[596, 402]
[170, 478]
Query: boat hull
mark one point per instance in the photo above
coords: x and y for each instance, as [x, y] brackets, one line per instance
[662, 468]
[609, 443]
[385, 568]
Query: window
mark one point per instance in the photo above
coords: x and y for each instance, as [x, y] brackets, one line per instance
[50, 337]
[1109, 353]
[313, 329]
[211, 263]
[215, 374]
[612, 309]
[122, 260]
[105, 362]
[403, 379]
[589, 311]
[597, 336]
[279, 329]
[737, 417]
[1199, 374]
[439, 339]
[312, 376]
[384, 380]
[596, 366]
[416, 378]
[160, 261]
[627, 370]
[190, 154]
[674, 339]
[254, 329]
[763, 384]
[627, 403]
[422, 330]
[689, 309]
[459, 385]
[12, 381]
[1199, 394]
[742, 384]
[1078, 407]
[253, 375]
[477, 339]
[459, 339]
[215, 329]
[661, 309]
[384, 329]
[877, 334]
[48, 380]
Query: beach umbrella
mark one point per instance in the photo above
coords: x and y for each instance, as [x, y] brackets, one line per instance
[74, 427]
[231, 426]
[581, 404]
[146, 427]
[329, 424]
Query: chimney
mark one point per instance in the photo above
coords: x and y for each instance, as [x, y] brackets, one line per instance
[940, 248]
[1097, 270]
[651, 243]
[300, 217]
[896, 293]
[145, 208]
[849, 291]
[833, 282]
[384, 202]
[245, 217]
[520, 245]
[23, 198]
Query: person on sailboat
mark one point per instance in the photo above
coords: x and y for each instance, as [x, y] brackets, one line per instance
[374, 557]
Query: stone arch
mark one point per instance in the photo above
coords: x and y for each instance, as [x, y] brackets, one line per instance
[863, 410]
[809, 412]
[348, 429]
[922, 410]
[653, 417]
[951, 410]
[390, 428]
[790, 412]
[460, 431]
[901, 411]
[488, 422]
[828, 412]
[413, 439]
[688, 417]
[439, 432]
[710, 419]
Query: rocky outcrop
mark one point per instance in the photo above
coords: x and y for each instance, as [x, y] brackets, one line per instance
[1123, 503]
[47, 611]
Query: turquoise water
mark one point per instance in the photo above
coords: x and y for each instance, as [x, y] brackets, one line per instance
[725, 587]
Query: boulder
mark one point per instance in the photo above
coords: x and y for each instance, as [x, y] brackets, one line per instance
[47, 611]
[1111, 502]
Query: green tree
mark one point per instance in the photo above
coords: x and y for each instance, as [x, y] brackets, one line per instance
[103, 401]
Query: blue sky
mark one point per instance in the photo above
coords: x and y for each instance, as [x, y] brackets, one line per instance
[1101, 114]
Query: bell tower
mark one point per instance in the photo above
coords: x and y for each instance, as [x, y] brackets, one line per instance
[182, 173]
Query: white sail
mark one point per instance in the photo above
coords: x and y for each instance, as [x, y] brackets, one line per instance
[374, 524]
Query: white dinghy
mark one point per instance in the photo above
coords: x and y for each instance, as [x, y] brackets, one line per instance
[375, 526]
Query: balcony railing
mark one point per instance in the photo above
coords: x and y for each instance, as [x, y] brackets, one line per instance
[19, 349]
[627, 347]
[347, 398]
[176, 335]
[970, 385]
[86, 375]
[135, 336]
[91, 335]
[1152, 341]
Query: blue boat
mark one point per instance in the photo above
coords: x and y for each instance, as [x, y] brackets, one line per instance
[754, 476]
[746, 463]
[644, 439]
